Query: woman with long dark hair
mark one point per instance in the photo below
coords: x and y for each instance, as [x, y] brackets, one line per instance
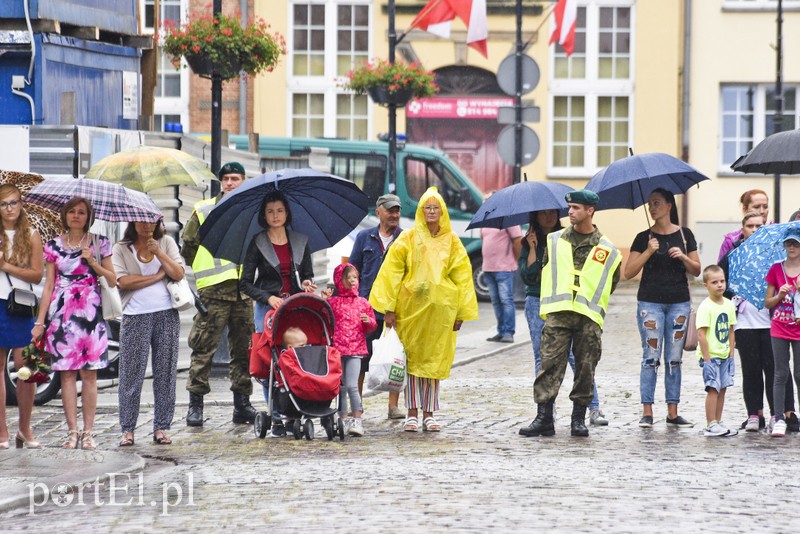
[665, 253]
[145, 259]
[22, 264]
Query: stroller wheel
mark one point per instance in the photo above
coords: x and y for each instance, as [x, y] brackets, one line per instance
[308, 429]
[297, 429]
[327, 424]
[340, 428]
[261, 425]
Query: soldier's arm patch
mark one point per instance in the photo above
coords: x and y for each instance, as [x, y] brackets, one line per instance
[600, 255]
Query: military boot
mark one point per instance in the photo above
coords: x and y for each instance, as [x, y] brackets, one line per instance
[195, 415]
[543, 425]
[243, 411]
[578, 426]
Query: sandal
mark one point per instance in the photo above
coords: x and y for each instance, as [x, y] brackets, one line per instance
[429, 424]
[410, 425]
[127, 439]
[87, 441]
[73, 437]
[160, 438]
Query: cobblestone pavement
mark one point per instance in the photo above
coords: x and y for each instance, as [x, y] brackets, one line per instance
[477, 475]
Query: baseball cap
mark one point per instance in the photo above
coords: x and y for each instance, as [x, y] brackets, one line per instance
[388, 201]
[792, 234]
[232, 167]
[582, 196]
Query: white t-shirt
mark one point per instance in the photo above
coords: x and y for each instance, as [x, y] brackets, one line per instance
[386, 241]
[749, 317]
[152, 298]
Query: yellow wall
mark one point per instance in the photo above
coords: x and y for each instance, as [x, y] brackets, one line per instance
[270, 109]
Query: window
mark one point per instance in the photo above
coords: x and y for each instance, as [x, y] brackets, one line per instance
[761, 5]
[422, 174]
[328, 39]
[592, 91]
[172, 85]
[367, 172]
[747, 116]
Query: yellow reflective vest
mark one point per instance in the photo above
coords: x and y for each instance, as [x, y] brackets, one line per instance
[208, 270]
[590, 296]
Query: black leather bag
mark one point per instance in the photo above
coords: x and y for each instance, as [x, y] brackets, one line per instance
[22, 302]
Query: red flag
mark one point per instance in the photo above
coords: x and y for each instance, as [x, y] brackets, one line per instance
[437, 15]
[564, 15]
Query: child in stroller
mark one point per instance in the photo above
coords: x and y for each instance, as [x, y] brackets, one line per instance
[294, 358]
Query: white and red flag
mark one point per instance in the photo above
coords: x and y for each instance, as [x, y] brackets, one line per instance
[437, 15]
[564, 15]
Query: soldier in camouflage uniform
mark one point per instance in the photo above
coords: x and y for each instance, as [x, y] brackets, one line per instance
[218, 287]
[580, 270]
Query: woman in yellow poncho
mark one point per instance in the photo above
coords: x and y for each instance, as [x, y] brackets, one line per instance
[424, 289]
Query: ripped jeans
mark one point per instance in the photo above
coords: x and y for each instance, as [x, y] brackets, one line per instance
[662, 328]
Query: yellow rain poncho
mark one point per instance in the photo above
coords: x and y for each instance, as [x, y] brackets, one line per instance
[427, 281]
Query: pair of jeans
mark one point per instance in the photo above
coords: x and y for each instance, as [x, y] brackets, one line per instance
[259, 312]
[535, 325]
[662, 328]
[501, 291]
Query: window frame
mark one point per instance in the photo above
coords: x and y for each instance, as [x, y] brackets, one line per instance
[592, 88]
[329, 83]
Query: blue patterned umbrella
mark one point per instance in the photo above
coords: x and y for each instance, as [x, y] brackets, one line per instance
[512, 205]
[749, 262]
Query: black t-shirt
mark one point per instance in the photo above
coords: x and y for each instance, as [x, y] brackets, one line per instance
[664, 278]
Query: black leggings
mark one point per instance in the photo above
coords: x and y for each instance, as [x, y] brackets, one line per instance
[758, 370]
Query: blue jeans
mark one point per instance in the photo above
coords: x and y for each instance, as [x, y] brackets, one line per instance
[662, 328]
[535, 325]
[501, 291]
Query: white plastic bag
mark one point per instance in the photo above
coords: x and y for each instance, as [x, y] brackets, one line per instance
[387, 368]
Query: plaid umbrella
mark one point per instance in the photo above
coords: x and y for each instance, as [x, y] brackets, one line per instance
[144, 168]
[111, 202]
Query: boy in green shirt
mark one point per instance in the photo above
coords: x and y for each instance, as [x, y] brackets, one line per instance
[715, 319]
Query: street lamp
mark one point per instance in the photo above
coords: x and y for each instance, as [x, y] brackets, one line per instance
[216, 116]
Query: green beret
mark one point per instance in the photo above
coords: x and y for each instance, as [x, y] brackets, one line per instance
[232, 167]
[582, 196]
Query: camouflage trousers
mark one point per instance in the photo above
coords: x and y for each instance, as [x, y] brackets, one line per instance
[205, 337]
[563, 330]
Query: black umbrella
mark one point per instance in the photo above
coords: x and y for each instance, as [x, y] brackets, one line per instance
[324, 207]
[778, 153]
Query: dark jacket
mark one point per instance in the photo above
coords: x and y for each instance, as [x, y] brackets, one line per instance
[367, 257]
[264, 261]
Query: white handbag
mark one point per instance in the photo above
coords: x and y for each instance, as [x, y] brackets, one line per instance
[109, 296]
[181, 294]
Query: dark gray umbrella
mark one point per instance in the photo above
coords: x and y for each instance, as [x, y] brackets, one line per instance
[779, 153]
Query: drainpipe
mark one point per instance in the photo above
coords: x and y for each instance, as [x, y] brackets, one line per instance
[685, 93]
[18, 83]
[243, 80]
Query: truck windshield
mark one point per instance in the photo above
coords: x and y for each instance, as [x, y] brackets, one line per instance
[367, 172]
[421, 174]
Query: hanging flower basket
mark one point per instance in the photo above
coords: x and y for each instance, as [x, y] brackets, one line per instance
[391, 83]
[381, 94]
[220, 44]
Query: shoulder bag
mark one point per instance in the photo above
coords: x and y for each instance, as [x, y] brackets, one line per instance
[21, 302]
[690, 338]
[181, 294]
[109, 296]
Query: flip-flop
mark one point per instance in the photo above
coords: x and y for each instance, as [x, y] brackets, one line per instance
[429, 424]
[161, 438]
[126, 441]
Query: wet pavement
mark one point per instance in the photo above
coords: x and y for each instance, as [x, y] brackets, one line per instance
[476, 475]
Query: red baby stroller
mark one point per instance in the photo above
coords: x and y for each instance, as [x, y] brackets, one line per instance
[302, 380]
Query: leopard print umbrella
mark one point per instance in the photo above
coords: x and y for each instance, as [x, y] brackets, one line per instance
[24, 181]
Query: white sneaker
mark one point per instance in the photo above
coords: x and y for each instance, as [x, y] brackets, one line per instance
[348, 422]
[715, 430]
[752, 424]
[771, 424]
[356, 427]
[779, 430]
[597, 418]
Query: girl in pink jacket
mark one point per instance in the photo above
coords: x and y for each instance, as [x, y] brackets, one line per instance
[354, 319]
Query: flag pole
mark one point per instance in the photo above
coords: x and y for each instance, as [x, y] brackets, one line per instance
[425, 10]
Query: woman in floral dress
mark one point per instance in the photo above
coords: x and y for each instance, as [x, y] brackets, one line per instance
[76, 332]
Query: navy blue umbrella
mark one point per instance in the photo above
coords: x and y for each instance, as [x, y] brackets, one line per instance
[512, 205]
[628, 182]
[324, 207]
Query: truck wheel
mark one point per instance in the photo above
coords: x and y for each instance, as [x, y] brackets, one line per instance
[477, 279]
[44, 392]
